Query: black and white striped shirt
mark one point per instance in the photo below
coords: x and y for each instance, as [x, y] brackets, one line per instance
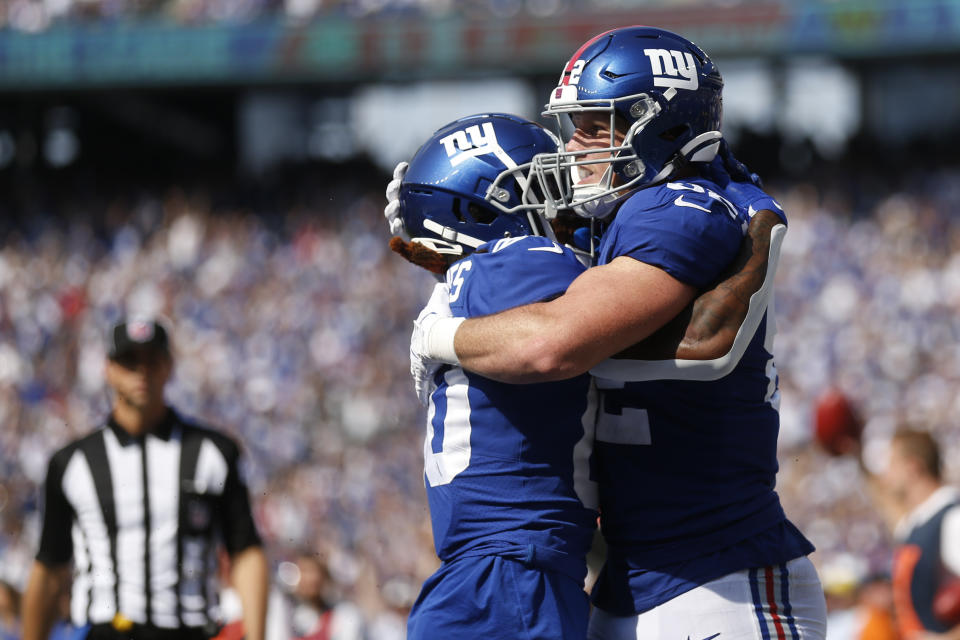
[149, 556]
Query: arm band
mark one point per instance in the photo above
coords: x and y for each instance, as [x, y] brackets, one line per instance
[439, 340]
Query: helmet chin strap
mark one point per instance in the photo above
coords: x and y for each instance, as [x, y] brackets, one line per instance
[449, 235]
[440, 246]
[702, 148]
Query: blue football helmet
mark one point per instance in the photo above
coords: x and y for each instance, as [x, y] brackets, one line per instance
[662, 93]
[470, 183]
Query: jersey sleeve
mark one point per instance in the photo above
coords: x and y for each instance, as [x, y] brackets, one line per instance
[689, 234]
[56, 543]
[513, 272]
[237, 524]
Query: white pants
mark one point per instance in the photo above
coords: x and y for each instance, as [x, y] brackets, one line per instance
[782, 602]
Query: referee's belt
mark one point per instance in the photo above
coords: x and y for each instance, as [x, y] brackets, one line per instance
[127, 630]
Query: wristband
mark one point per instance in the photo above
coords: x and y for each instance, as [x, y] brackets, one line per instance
[439, 340]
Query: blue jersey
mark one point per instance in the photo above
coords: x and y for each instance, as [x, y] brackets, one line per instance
[686, 469]
[507, 466]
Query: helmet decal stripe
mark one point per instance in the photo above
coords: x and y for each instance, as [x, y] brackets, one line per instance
[565, 79]
[576, 56]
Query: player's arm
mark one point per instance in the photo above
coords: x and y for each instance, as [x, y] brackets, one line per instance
[698, 343]
[44, 586]
[605, 310]
[706, 329]
[703, 340]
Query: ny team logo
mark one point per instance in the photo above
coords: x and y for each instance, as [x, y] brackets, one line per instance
[470, 142]
[672, 69]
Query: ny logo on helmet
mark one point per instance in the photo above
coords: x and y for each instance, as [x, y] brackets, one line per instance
[672, 69]
[470, 142]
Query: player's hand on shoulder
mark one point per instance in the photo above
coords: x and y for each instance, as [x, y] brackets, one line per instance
[726, 168]
[422, 368]
[741, 186]
[392, 211]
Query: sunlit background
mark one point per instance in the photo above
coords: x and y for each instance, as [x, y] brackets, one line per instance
[222, 162]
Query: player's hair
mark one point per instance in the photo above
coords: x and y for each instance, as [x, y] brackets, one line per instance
[922, 447]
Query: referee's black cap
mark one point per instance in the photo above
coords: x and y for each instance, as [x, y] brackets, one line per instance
[135, 334]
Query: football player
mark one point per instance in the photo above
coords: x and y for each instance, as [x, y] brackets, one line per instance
[506, 468]
[699, 545]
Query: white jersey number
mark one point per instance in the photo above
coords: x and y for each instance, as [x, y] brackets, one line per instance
[441, 467]
[457, 273]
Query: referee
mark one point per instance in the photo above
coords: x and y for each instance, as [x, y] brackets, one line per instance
[141, 505]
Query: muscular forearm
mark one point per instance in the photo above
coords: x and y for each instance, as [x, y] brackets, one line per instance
[706, 329]
[718, 313]
[39, 600]
[512, 347]
[606, 309]
[249, 575]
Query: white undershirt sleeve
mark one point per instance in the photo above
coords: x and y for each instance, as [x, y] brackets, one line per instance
[950, 540]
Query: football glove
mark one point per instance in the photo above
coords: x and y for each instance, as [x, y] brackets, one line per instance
[741, 186]
[431, 343]
[392, 211]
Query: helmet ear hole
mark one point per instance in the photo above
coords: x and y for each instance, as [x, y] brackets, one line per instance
[480, 214]
[674, 133]
[456, 210]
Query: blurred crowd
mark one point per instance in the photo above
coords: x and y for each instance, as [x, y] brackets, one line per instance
[867, 296]
[290, 331]
[37, 15]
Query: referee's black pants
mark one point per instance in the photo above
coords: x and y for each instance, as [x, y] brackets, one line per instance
[145, 632]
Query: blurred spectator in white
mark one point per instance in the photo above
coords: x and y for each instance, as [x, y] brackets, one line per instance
[390, 623]
[319, 612]
[231, 608]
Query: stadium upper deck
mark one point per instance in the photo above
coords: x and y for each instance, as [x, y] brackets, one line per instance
[80, 43]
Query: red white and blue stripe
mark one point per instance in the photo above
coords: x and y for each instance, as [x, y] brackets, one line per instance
[771, 603]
